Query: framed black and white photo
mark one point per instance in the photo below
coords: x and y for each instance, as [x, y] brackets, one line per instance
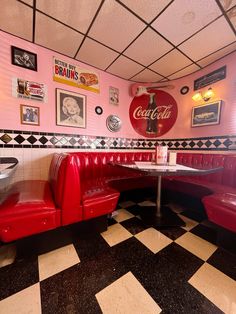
[70, 109]
[29, 114]
[207, 114]
[23, 58]
[113, 95]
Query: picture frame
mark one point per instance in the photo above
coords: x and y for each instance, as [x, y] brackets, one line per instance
[29, 115]
[24, 58]
[207, 114]
[70, 109]
[113, 95]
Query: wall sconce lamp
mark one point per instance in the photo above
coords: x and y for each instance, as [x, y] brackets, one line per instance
[205, 96]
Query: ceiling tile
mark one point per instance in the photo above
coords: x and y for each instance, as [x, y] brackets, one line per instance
[213, 37]
[157, 47]
[170, 63]
[56, 36]
[227, 4]
[77, 14]
[147, 76]
[187, 17]
[115, 26]
[232, 16]
[188, 70]
[14, 17]
[124, 68]
[30, 2]
[147, 11]
[96, 54]
[217, 55]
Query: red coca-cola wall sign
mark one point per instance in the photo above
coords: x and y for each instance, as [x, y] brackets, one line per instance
[153, 115]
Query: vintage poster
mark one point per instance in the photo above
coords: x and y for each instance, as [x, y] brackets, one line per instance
[29, 90]
[64, 72]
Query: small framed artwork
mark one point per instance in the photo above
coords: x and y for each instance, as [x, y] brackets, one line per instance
[23, 58]
[113, 96]
[207, 114]
[70, 109]
[29, 115]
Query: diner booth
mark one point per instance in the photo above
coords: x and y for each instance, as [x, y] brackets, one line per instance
[117, 165]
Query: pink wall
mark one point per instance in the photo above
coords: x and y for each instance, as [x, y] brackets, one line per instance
[96, 125]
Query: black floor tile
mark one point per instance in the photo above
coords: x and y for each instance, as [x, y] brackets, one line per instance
[111, 221]
[134, 225]
[173, 233]
[197, 216]
[134, 209]
[224, 261]
[206, 233]
[18, 276]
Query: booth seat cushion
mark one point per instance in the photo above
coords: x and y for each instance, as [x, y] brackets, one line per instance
[221, 209]
[27, 209]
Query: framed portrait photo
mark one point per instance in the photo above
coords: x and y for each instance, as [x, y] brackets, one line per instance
[207, 114]
[113, 95]
[23, 58]
[70, 109]
[29, 115]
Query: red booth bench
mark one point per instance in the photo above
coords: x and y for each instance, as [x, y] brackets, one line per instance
[85, 185]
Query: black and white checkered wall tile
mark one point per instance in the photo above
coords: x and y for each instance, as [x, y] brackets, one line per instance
[26, 139]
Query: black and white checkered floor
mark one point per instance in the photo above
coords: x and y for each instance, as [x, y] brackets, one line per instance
[130, 268]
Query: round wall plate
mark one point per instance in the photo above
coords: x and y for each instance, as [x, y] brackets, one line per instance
[184, 90]
[98, 110]
[113, 123]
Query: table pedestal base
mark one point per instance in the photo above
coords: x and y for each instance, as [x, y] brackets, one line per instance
[168, 217]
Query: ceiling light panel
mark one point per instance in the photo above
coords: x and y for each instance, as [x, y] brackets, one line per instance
[147, 76]
[55, 36]
[147, 10]
[124, 68]
[14, 18]
[96, 54]
[170, 63]
[217, 55]
[115, 26]
[227, 4]
[185, 17]
[148, 47]
[215, 36]
[188, 70]
[77, 14]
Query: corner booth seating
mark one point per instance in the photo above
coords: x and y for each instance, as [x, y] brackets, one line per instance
[84, 185]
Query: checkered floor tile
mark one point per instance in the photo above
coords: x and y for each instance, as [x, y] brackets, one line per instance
[130, 268]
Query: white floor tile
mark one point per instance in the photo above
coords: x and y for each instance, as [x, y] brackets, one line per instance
[153, 239]
[127, 204]
[126, 296]
[216, 286]
[190, 224]
[24, 302]
[55, 261]
[147, 203]
[116, 234]
[123, 215]
[198, 246]
[7, 254]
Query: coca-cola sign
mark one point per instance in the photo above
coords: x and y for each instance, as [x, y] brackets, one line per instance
[153, 114]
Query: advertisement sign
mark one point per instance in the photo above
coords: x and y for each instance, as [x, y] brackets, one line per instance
[66, 73]
[29, 90]
[153, 114]
[210, 78]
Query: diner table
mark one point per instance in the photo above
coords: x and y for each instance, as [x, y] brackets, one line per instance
[7, 166]
[162, 216]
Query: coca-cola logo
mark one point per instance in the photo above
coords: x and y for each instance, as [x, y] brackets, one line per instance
[153, 115]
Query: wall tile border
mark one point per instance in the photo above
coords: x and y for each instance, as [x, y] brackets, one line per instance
[28, 139]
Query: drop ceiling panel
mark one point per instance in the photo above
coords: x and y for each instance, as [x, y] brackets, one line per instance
[96, 54]
[170, 63]
[210, 39]
[147, 10]
[227, 4]
[56, 36]
[14, 17]
[190, 69]
[185, 17]
[115, 26]
[124, 67]
[217, 55]
[232, 16]
[30, 2]
[147, 76]
[77, 14]
[148, 47]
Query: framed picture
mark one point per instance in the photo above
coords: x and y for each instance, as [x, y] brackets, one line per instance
[29, 114]
[207, 114]
[70, 109]
[23, 58]
[113, 95]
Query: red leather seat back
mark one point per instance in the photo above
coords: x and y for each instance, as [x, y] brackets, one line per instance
[229, 173]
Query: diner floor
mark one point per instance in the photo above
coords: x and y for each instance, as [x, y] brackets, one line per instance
[130, 268]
